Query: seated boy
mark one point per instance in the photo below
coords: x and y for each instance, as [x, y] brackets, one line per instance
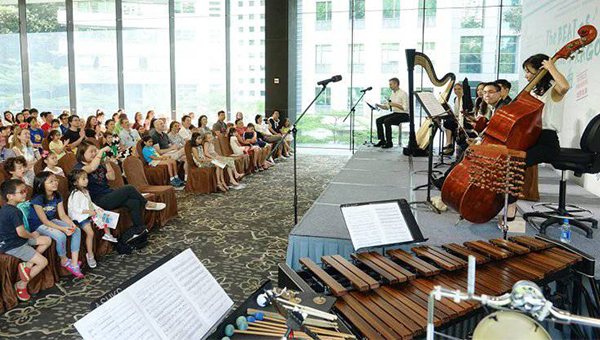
[15, 240]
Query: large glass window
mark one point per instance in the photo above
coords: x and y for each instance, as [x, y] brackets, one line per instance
[323, 16]
[471, 49]
[473, 14]
[508, 55]
[391, 13]
[390, 58]
[427, 9]
[47, 40]
[357, 62]
[200, 57]
[323, 58]
[11, 91]
[146, 64]
[95, 56]
[248, 61]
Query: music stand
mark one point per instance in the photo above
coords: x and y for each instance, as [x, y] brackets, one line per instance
[435, 111]
[372, 108]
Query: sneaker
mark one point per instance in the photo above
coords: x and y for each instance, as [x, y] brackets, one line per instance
[157, 206]
[22, 294]
[91, 261]
[74, 270]
[174, 183]
[24, 272]
[110, 238]
[239, 187]
[66, 264]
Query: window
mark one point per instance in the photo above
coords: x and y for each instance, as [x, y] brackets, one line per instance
[428, 47]
[323, 58]
[508, 54]
[353, 95]
[251, 29]
[359, 9]
[356, 64]
[323, 21]
[186, 6]
[323, 103]
[430, 12]
[473, 13]
[251, 80]
[251, 42]
[390, 54]
[391, 13]
[241, 29]
[11, 92]
[470, 54]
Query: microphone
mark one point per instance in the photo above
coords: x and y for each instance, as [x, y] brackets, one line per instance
[367, 89]
[332, 79]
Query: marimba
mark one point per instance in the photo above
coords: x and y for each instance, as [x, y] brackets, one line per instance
[385, 297]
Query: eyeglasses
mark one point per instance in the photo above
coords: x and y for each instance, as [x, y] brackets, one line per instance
[490, 92]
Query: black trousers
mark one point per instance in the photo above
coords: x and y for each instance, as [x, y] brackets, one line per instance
[388, 120]
[544, 150]
[128, 197]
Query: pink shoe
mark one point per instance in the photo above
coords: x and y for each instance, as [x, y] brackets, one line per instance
[74, 270]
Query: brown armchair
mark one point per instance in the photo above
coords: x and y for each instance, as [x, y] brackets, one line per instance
[242, 162]
[200, 180]
[158, 175]
[67, 163]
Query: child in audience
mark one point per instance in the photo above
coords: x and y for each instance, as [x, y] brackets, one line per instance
[154, 159]
[47, 216]
[16, 241]
[55, 125]
[285, 127]
[264, 149]
[141, 129]
[21, 146]
[235, 141]
[56, 144]
[17, 167]
[210, 153]
[82, 210]
[202, 161]
[51, 161]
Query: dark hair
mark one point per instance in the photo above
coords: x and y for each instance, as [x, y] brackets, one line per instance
[535, 61]
[152, 122]
[256, 118]
[99, 113]
[230, 131]
[504, 83]
[250, 125]
[31, 118]
[44, 114]
[10, 164]
[71, 118]
[219, 113]
[88, 123]
[38, 186]
[108, 122]
[185, 117]
[494, 84]
[2, 128]
[55, 121]
[147, 138]
[395, 80]
[10, 187]
[53, 133]
[32, 110]
[63, 115]
[73, 177]
[82, 148]
[12, 118]
[200, 120]
[173, 124]
[148, 113]
[195, 136]
[122, 119]
[239, 120]
[17, 117]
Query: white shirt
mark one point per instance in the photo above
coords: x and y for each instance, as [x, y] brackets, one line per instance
[458, 107]
[58, 172]
[78, 202]
[236, 147]
[552, 113]
[186, 134]
[262, 128]
[129, 138]
[399, 97]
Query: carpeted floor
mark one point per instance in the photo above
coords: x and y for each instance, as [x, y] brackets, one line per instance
[240, 237]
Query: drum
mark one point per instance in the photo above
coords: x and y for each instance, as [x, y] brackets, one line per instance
[509, 325]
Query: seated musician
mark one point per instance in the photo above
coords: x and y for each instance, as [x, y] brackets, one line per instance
[550, 90]
[505, 86]
[450, 124]
[398, 104]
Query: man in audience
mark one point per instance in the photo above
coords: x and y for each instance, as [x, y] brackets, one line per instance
[129, 137]
[47, 117]
[74, 135]
[64, 122]
[37, 134]
[186, 129]
[220, 127]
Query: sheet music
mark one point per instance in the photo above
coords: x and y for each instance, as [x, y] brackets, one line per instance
[377, 224]
[431, 104]
[178, 300]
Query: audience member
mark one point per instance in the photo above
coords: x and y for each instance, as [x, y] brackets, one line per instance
[56, 145]
[8, 118]
[203, 125]
[74, 135]
[90, 127]
[5, 153]
[36, 134]
[47, 117]
[174, 136]
[55, 125]
[148, 120]
[109, 126]
[138, 120]
[17, 167]
[129, 137]
[154, 159]
[220, 127]
[50, 159]
[22, 146]
[64, 123]
[185, 132]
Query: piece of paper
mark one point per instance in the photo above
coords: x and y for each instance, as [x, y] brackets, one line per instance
[219, 163]
[178, 300]
[431, 104]
[106, 219]
[377, 224]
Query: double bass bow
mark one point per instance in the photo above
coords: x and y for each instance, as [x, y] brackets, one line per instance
[516, 126]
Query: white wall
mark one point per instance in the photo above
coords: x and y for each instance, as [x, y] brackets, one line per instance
[547, 26]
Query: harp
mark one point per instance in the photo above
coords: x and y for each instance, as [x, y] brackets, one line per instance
[414, 58]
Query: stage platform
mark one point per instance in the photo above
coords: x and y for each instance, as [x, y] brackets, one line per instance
[373, 174]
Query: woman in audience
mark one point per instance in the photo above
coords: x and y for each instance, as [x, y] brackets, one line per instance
[8, 119]
[203, 125]
[90, 127]
[239, 116]
[81, 209]
[138, 120]
[47, 216]
[174, 136]
[118, 128]
[51, 162]
[210, 153]
[56, 144]
[99, 173]
[148, 120]
[22, 146]
[5, 153]
[20, 118]
[202, 161]
[142, 131]
[100, 117]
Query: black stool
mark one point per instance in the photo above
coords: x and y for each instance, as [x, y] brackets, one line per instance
[585, 160]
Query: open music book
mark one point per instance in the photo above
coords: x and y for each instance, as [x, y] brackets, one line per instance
[380, 223]
[178, 300]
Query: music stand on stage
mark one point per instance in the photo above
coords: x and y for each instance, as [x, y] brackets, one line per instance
[435, 111]
[372, 108]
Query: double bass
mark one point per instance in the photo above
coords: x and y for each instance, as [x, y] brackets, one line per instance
[516, 126]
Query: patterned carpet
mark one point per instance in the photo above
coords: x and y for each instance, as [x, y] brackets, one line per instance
[240, 237]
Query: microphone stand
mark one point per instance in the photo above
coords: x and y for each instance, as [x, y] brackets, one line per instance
[352, 113]
[294, 132]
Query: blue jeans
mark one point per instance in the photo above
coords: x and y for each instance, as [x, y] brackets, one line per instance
[61, 238]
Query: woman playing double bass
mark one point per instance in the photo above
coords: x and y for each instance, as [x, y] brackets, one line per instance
[550, 90]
